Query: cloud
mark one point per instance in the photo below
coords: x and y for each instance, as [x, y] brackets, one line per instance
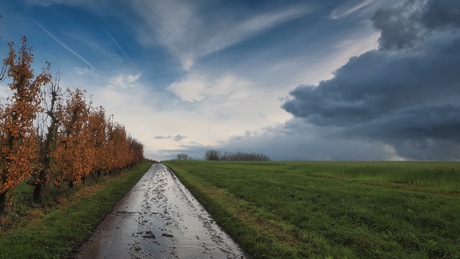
[190, 30]
[226, 108]
[123, 81]
[85, 72]
[5, 92]
[175, 138]
[95, 5]
[422, 132]
[299, 141]
[47, 3]
[441, 14]
[404, 94]
[405, 26]
[198, 86]
[191, 89]
[347, 10]
[104, 50]
[65, 46]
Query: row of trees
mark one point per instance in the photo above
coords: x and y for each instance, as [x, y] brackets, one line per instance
[234, 156]
[50, 136]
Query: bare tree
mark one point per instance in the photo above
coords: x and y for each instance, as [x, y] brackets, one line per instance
[184, 157]
[212, 155]
[235, 156]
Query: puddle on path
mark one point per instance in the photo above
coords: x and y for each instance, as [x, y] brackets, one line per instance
[159, 218]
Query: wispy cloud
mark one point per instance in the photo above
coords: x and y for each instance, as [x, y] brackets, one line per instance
[122, 81]
[241, 31]
[65, 46]
[186, 32]
[114, 41]
[175, 138]
[339, 13]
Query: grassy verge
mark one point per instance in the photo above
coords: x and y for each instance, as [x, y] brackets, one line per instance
[64, 229]
[332, 209]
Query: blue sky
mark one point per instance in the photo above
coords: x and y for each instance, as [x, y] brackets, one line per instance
[296, 80]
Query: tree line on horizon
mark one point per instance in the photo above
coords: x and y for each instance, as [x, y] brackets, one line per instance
[50, 136]
[234, 156]
[183, 156]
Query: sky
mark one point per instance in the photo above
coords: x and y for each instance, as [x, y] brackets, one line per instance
[295, 80]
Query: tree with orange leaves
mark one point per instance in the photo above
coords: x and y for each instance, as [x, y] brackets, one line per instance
[47, 136]
[18, 145]
[114, 150]
[136, 151]
[74, 153]
[98, 139]
[72, 141]
[116, 146]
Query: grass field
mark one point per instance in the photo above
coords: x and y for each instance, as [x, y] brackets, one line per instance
[332, 209]
[64, 228]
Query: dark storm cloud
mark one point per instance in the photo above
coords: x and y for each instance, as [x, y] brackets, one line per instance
[405, 94]
[378, 83]
[422, 132]
[404, 27]
[441, 122]
[441, 14]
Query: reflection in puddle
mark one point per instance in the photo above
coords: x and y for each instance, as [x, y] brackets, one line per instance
[160, 218]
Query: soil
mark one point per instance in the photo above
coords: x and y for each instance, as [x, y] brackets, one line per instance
[159, 218]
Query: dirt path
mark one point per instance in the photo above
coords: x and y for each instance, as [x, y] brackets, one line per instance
[159, 218]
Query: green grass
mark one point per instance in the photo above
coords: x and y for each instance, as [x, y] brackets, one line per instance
[64, 229]
[332, 209]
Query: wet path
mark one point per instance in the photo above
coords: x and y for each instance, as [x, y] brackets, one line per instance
[159, 218]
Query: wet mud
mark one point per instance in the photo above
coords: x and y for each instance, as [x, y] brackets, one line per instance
[159, 218]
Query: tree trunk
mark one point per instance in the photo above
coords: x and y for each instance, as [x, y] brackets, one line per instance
[70, 184]
[2, 202]
[38, 193]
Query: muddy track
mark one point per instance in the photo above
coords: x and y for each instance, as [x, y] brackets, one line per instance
[159, 218]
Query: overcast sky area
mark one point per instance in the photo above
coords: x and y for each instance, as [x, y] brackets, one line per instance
[295, 80]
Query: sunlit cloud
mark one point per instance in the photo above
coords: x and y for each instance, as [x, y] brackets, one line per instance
[122, 81]
[197, 87]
